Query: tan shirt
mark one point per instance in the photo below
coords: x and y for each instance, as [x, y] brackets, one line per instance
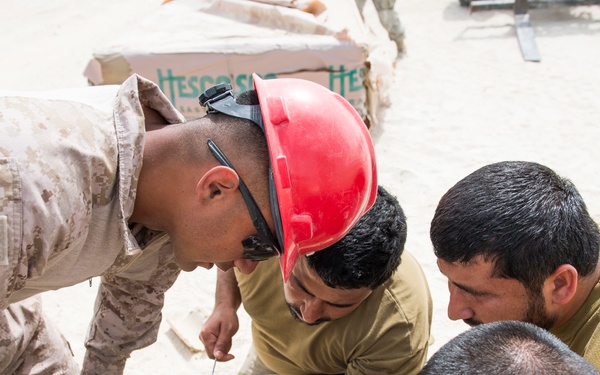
[582, 332]
[69, 167]
[387, 334]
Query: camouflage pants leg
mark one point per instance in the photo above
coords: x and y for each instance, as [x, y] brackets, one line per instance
[30, 345]
[389, 19]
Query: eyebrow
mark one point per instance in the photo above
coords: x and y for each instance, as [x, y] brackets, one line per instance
[339, 305]
[474, 292]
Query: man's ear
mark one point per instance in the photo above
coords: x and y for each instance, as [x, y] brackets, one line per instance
[562, 284]
[218, 182]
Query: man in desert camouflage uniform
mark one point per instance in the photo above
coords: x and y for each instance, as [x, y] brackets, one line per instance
[58, 209]
[75, 203]
[389, 20]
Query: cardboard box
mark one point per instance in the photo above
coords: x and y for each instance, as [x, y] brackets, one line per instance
[191, 45]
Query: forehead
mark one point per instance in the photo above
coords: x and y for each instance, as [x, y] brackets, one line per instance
[477, 274]
[476, 268]
[309, 281]
[477, 277]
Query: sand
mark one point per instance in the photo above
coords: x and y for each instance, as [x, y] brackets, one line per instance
[462, 97]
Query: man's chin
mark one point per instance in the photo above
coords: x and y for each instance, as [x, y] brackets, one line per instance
[186, 267]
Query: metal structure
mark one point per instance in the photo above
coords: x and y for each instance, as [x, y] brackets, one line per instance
[523, 27]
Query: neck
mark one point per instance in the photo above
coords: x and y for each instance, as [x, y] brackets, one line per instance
[153, 119]
[594, 278]
[586, 285]
[157, 177]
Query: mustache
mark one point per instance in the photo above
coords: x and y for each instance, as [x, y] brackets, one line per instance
[472, 322]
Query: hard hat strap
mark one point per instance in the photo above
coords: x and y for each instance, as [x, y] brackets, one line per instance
[274, 201]
[220, 99]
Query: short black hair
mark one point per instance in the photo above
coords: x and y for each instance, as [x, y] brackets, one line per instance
[522, 216]
[243, 142]
[370, 253]
[506, 347]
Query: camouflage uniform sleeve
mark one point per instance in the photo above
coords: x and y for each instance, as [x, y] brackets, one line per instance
[127, 314]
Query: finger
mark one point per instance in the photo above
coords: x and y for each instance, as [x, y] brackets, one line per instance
[221, 348]
[222, 357]
[209, 342]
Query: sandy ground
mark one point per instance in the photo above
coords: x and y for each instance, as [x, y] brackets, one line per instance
[462, 98]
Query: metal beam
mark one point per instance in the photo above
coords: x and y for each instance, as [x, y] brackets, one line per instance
[523, 27]
[480, 5]
[526, 38]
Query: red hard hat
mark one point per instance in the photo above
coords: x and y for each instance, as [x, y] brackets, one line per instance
[323, 163]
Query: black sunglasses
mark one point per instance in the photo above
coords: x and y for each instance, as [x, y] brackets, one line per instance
[255, 248]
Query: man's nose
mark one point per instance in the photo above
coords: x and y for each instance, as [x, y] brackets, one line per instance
[458, 306]
[312, 310]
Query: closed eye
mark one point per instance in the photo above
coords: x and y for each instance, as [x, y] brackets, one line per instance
[303, 288]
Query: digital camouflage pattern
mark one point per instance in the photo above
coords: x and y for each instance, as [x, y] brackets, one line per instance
[69, 167]
[26, 351]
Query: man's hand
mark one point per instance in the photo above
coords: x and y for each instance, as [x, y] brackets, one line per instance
[223, 323]
[218, 331]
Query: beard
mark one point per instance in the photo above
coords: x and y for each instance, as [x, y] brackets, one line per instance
[537, 314]
[297, 315]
